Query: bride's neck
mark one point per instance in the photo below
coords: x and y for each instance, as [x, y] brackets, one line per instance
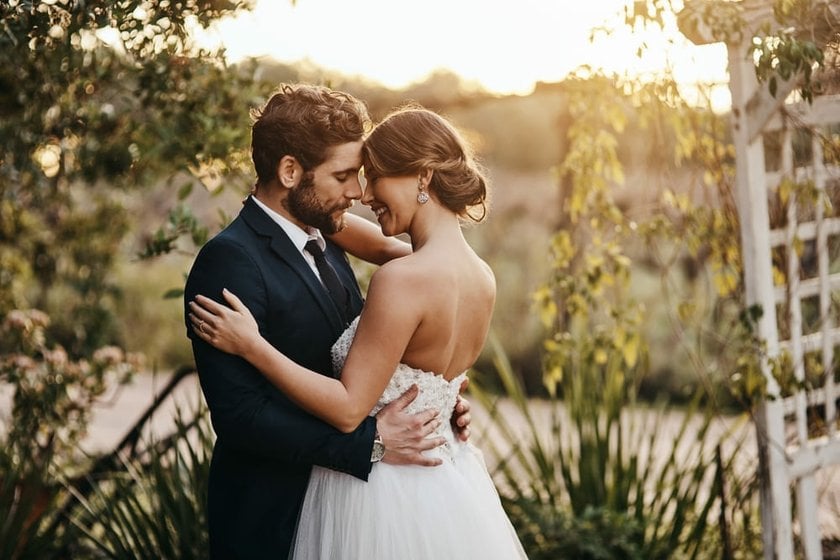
[440, 225]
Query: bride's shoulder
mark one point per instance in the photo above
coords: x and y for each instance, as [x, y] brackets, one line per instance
[399, 269]
[487, 270]
[405, 272]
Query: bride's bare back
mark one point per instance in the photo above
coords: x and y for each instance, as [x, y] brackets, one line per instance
[430, 310]
[457, 299]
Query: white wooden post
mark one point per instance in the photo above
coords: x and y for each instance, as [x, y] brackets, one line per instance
[758, 279]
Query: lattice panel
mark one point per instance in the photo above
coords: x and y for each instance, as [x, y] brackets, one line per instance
[808, 318]
[804, 240]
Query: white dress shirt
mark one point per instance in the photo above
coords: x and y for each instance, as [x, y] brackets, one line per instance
[297, 235]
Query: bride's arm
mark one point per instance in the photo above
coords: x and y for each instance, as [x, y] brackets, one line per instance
[363, 239]
[386, 326]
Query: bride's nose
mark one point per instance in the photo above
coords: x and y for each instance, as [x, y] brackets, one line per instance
[367, 194]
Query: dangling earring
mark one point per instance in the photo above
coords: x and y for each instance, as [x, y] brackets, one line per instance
[422, 196]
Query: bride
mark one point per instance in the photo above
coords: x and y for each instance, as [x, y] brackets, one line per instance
[424, 323]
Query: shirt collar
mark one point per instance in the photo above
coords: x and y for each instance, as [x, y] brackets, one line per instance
[297, 235]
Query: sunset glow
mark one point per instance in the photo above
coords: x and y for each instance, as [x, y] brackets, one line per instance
[506, 47]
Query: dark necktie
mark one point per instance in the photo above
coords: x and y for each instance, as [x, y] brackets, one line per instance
[329, 278]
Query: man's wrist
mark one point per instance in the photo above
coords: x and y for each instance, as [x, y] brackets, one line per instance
[378, 449]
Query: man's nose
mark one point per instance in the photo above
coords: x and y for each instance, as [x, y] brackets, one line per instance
[354, 190]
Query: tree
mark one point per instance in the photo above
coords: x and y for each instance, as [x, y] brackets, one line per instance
[97, 99]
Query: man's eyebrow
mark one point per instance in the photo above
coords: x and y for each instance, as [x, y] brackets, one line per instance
[346, 170]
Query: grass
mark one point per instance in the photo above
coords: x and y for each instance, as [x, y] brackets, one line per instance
[584, 482]
[153, 506]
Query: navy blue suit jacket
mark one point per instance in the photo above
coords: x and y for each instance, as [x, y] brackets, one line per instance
[266, 445]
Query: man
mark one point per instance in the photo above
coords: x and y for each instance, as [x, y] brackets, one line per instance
[306, 148]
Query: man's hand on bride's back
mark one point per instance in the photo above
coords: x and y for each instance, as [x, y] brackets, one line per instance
[406, 435]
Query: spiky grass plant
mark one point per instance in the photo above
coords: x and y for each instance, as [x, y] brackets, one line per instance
[154, 507]
[28, 496]
[583, 478]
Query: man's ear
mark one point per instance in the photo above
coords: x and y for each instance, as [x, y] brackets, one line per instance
[289, 172]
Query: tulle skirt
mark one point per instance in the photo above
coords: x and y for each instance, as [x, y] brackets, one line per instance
[407, 512]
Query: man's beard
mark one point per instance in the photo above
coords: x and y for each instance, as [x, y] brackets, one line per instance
[303, 203]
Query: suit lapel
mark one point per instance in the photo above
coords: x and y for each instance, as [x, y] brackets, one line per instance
[283, 248]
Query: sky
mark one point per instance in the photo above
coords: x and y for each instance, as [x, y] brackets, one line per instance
[505, 46]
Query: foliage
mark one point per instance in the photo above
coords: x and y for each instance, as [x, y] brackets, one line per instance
[155, 506]
[181, 222]
[789, 45]
[624, 487]
[692, 231]
[149, 504]
[786, 56]
[97, 98]
[594, 344]
[597, 534]
[690, 236]
[595, 352]
[807, 30]
[53, 394]
[719, 337]
[595, 338]
[52, 397]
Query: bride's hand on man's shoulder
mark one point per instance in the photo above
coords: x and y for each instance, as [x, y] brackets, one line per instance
[230, 329]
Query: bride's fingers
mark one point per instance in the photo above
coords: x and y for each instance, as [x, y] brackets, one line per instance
[201, 313]
[200, 328]
[234, 301]
[210, 305]
[199, 325]
[196, 320]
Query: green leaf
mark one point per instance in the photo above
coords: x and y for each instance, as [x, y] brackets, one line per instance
[174, 293]
[185, 190]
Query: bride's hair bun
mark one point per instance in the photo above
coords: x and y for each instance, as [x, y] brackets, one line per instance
[413, 139]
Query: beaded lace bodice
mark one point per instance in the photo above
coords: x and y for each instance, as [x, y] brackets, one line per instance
[435, 391]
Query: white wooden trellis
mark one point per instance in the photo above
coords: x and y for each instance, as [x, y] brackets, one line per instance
[789, 455]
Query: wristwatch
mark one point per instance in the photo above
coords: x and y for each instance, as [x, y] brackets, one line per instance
[378, 450]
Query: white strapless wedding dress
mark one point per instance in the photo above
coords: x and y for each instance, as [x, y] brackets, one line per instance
[407, 512]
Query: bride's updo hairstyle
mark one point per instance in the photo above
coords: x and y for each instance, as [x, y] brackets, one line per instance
[413, 139]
